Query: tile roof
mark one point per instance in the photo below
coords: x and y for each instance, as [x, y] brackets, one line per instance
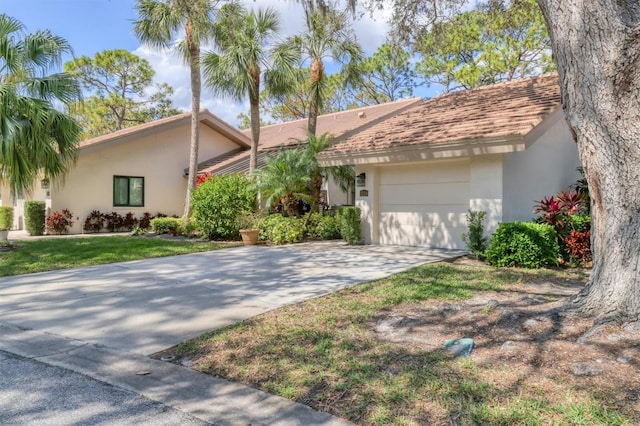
[340, 125]
[503, 109]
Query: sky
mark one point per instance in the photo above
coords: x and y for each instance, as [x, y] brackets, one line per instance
[91, 26]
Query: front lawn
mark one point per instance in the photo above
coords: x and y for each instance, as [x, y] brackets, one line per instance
[26, 257]
[373, 353]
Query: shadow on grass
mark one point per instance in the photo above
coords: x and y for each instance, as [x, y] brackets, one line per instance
[324, 353]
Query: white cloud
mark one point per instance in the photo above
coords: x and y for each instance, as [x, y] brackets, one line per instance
[170, 68]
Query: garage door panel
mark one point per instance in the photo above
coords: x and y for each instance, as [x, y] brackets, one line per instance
[448, 171]
[433, 194]
[426, 229]
[432, 211]
[424, 204]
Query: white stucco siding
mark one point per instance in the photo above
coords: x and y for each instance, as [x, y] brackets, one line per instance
[424, 204]
[486, 189]
[335, 196]
[547, 166]
[160, 158]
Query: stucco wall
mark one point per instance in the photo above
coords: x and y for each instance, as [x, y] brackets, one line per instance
[485, 193]
[335, 196]
[547, 166]
[160, 158]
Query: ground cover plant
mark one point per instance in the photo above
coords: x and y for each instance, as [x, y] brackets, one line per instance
[49, 254]
[373, 353]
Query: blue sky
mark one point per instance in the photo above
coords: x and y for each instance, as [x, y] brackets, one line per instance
[91, 26]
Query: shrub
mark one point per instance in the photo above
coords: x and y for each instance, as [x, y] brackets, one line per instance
[129, 221]
[475, 239]
[578, 247]
[322, 227]
[189, 230]
[114, 221]
[59, 222]
[349, 224]
[94, 222]
[217, 203]
[6, 218]
[579, 222]
[34, 217]
[279, 229]
[166, 225]
[145, 221]
[566, 213]
[530, 245]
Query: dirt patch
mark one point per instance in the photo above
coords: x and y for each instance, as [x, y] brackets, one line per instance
[522, 337]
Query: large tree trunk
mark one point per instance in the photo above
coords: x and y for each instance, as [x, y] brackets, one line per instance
[194, 64]
[596, 44]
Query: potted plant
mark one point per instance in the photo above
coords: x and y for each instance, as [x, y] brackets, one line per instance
[247, 224]
[6, 221]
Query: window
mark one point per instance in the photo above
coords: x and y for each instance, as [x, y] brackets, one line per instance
[128, 191]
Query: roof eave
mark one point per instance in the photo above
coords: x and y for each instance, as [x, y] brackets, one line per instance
[432, 151]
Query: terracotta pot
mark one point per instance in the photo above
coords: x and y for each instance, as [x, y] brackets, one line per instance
[249, 236]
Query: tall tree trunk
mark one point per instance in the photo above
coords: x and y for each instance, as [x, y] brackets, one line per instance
[317, 70]
[596, 44]
[316, 190]
[254, 105]
[194, 64]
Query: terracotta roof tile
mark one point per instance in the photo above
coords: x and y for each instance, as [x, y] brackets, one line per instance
[503, 109]
[340, 125]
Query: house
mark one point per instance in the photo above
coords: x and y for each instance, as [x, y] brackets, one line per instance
[138, 169]
[496, 148]
[292, 134]
[142, 168]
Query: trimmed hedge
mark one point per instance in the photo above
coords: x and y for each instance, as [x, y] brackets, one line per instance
[525, 244]
[349, 223]
[34, 217]
[322, 227]
[218, 202]
[166, 225]
[279, 229]
[6, 218]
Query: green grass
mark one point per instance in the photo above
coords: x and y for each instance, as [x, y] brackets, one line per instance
[61, 253]
[324, 353]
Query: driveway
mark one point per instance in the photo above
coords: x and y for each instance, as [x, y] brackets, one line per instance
[149, 305]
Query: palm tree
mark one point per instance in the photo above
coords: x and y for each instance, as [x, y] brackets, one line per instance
[34, 136]
[313, 146]
[328, 36]
[245, 58]
[285, 179]
[159, 23]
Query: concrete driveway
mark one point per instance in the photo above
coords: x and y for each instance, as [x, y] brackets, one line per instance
[149, 305]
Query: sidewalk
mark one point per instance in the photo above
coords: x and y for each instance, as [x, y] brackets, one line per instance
[204, 397]
[23, 235]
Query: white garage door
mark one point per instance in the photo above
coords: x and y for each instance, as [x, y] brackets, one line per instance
[424, 204]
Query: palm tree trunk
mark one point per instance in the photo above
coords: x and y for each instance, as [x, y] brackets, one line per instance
[194, 64]
[317, 72]
[254, 103]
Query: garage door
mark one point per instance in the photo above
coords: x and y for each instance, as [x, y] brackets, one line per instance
[424, 204]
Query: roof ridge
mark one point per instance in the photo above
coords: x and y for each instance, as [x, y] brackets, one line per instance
[499, 83]
[366, 107]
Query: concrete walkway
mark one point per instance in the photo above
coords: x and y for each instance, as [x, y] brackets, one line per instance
[101, 321]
